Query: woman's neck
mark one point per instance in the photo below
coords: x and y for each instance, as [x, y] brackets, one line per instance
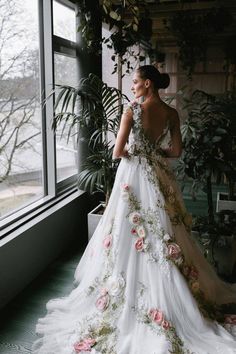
[152, 96]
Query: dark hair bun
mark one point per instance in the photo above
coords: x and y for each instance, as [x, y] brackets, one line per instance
[160, 81]
[164, 81]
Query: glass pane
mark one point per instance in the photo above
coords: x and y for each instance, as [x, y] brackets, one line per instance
[64, 24]
[66, 72]
[107, 62]
[20, 114]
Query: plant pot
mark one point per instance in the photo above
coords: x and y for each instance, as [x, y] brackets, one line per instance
[94, 216]
[222, 203]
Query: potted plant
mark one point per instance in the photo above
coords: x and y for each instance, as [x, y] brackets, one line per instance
[218, 241]
[99, 113]
[227, 167]
[206, 133]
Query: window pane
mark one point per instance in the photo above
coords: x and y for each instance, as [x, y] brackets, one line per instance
[66, 72]
[20, 115]
[64, 24]
[107, 63]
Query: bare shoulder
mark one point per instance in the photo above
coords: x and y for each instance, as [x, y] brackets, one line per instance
[173, 116]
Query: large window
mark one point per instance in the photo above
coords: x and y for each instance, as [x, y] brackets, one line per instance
[37, 49]
[21, 167]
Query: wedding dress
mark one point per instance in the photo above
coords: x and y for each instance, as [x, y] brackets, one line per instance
[142, 285]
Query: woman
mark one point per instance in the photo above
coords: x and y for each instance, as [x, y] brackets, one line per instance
[143, 285]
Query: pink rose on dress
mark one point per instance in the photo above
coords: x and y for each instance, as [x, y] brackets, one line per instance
[165, 324]
[193, 274]
[84, 345]
[133, 231]
[90, 341]
[139, 244]
[107, 241]
[125, 187]
[135, 218]
[174, 251]
[81, 346]
[103, 291]
[230, 319]
[156, 316]
[134, 103]
[102, 302]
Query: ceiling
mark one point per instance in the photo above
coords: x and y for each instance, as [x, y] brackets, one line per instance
[162, 9]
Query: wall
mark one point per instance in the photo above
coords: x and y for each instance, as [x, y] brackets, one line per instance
[29, 249]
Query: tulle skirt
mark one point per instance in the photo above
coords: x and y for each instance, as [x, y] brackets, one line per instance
[142, 285]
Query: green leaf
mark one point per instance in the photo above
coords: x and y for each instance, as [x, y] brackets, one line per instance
[216, 139]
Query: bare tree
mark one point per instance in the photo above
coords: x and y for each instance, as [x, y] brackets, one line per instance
[18, 89]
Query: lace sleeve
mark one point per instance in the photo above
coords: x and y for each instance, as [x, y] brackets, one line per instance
[131, 106]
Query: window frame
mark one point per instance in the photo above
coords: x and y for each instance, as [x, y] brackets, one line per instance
[63, 46]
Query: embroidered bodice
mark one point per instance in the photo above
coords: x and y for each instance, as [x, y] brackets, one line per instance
[139, 143]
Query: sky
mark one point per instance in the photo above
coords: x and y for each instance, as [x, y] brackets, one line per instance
[26, 20]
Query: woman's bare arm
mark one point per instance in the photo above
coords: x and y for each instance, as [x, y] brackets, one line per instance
[123, 134]
[175, 149]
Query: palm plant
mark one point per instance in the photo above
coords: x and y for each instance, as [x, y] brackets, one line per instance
[97, 108]
[209, 155]
[207, 133]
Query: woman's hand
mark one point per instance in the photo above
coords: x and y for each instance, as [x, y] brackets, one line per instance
[125, 153]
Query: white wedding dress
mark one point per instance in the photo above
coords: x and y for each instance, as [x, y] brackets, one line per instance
[142, 285]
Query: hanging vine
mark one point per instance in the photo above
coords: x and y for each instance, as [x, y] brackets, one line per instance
[194, 31]
[129, 24]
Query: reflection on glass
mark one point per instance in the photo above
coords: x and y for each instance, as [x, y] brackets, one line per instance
[64, 24]
[20, 115]
[66, 73]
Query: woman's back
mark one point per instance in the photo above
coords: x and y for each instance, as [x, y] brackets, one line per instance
[155, 118]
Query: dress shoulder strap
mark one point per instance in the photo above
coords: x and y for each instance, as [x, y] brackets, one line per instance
[136, 109]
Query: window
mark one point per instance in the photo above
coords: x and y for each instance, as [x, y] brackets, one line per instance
[66, 73]
[21, 167]
[120, 79]
[64, 21]
[34, 164]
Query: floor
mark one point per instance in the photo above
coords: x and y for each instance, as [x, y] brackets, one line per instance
[19, 318]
